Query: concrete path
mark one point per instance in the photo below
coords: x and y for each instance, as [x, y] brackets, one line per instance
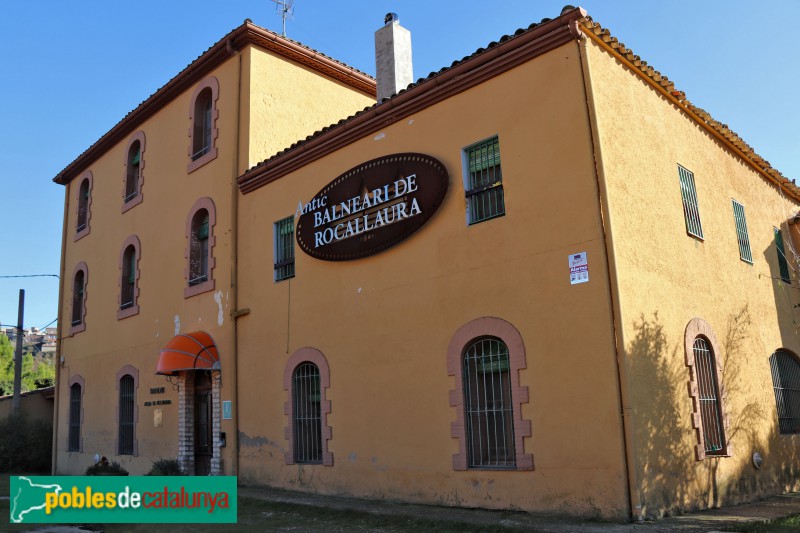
[703, 521]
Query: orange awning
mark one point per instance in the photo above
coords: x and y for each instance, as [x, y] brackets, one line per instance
[190, 351]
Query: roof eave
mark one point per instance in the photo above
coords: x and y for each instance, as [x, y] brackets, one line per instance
[236, 40]
[476, 69]
[662, 84]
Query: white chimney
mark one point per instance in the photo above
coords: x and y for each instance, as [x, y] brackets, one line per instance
[392, 58]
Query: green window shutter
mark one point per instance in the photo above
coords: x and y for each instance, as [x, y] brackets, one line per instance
[284, 248]
[484, 190]
[136, 157]
[783, 264]
[691, 212]
[202, 231]
[132, 269]
[741, 233]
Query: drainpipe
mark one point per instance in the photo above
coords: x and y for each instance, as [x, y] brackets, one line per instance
[623, 381]
[235, 313]
[59, 329]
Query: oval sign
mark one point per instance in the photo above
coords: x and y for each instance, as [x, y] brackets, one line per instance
[372, 207]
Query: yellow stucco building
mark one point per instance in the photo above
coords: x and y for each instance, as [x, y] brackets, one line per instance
[578, 299]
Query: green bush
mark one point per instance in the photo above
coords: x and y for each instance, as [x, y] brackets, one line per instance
[103, 468]
[166, 467]
[25, 445]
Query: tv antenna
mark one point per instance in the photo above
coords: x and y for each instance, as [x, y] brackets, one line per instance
[285, 8]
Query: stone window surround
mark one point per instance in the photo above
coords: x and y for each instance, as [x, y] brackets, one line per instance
[136, 200]
[82, 326]
[475, 329]
[133, 240]
[697, 327]
[85, 231]
[212, 83]
[208, 285]
[311, 355]
[77, 379]
[134, 373]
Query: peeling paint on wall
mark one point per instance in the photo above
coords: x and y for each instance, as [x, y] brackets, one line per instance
[256, 441]
[220, 315]
[177, 324]
[380, 136]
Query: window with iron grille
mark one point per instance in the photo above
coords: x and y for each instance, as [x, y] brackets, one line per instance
[487, 403]
[78, 288]
[132, 176]
[783, 264]
[128, 282]
[284, 248]
[484, 182]
[198, 248]
[75, 394]
[83, 206]
[307, 431]
[203, 119]
[201, 134]
[691, 212]
[709, 397]
[127, 402]
[786, 383]
[741, 233]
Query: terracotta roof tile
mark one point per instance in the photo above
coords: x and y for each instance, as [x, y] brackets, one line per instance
[700, 114]
[216, 48]
[623, 52]
[425, 79]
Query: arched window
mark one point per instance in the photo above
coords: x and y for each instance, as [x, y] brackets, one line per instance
[306, 378]
[306, 411]
[198, 254]
[709, 397]
[83, 202]
[706, 390]
[134, 165]
[129, 279]
[79, 298]
[127, 413]
[203, 116]
[74, 441]
[200, 244]
[201, 136]
[485, 357]
[488, 408]
[786, 382]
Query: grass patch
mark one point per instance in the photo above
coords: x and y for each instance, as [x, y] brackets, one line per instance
[258, 515]
[790, 524]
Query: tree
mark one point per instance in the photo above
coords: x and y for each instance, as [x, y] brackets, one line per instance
[36, 374]
[6, 366]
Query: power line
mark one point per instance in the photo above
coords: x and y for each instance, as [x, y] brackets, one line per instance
[33, 276]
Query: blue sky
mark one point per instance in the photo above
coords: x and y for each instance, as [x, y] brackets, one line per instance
[73, 70]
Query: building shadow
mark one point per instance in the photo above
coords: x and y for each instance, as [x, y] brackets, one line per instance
[671, 479]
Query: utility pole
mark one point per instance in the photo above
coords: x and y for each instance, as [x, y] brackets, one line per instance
[18, 355]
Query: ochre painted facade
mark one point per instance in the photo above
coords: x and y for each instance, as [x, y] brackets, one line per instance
[604, 389]
[384, 322]
[664, 278]
[160, 222]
